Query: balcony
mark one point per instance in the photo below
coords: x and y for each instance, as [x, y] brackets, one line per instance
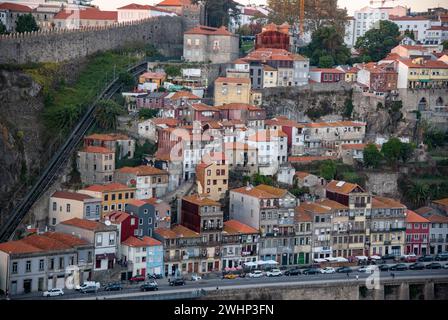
[285, 221]
[438, 240]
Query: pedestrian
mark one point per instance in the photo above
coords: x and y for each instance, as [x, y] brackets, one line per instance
[393, 275]
[357, 277]
[348, 275]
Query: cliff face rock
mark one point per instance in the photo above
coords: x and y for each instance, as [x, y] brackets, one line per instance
[21, 131]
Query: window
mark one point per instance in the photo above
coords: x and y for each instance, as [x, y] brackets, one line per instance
[111, 239]
[28, 266]
[99, 239]
[149, 220]
[41, 264]
[140, 221]
[68, 207]
[61, 263]
[54, 206]
[14, 267]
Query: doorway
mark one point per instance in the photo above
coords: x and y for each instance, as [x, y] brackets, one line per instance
[27, 285]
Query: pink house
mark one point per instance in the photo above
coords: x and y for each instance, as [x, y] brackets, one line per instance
[417, 234]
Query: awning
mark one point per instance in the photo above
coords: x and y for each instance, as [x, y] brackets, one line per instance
[375, 257]
[271, 262]
[361, 257]
[250, 264]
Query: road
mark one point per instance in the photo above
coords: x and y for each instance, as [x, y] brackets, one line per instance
[133, 291]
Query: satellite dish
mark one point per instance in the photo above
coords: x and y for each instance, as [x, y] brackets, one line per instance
[107, 223]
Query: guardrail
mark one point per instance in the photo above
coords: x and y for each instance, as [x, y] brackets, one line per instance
[61, 156]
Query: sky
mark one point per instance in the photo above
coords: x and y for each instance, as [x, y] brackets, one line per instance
[351, 5]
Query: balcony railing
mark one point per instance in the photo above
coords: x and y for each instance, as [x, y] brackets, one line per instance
[286, 221]
[438, 240]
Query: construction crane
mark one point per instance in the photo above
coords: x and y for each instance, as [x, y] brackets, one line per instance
[380, 1]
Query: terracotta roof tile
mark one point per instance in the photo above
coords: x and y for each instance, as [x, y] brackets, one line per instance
[222, 31]
[94, 149]
[301, 215]
[184, 94]
[200, 200]
[177, 231]
[443, 202]
[237, 227]
[116, 216]
[262, 191]
[142, 171]
[87, 224]
[326, 70]
[87, 14]
[341, 187]
[107, 187]
[436, 218]
[14, 7]
[413, 217]
[233, 80]
[71, 195]
[174, 3]
[302, 175]
[141, 242]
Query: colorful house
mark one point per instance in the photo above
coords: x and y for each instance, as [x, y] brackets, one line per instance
[417, 234]
[144, 254]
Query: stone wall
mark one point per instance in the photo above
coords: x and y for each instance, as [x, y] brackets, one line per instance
[382, 183]
[165, 33]
[293, 102]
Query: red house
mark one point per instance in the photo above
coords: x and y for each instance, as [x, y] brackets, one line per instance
[326, 75]
[203, 112]
[417, 234]
[126, 223]
[274, 36]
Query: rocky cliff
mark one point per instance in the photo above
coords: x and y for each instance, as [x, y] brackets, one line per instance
[21, 133]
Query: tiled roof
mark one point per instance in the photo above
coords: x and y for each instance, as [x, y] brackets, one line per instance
[177, 231]
[331, 204]
[201, 201]
[302, 175]
[237, 227]
[49, 241]
[174, 3]
[345, 188]
[353, 146]
[424, 210]
[87, 14]
[239, 61]
[434, 64]
[154, 75]
[270, 54]
[203, 107]
[170, 122]
[301, 215]
[108, 136]
[443, 202]
[94, 149]
[87, 224]
[71, 195]
[262, 191]
[213, 157]
[233, 80]
[221, 31]
[14, 7]
[315, 208]
[107, 187]
[116, 216]
[384, 202]
[142, 171]
[154, 201]
[239, 106]
[436, 218]
[308, 159]
[137, 203]
[184, 94]
[326, 70]
[412, 217]
[141, 242]
[408, 18]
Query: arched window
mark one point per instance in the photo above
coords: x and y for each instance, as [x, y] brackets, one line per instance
[439, 102]
[422, 104]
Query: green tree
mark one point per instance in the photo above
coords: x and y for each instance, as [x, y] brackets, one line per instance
[434, 138]
[418, 193]
[26, 23]
[261, 179]
[372, 156]
[173, 70]
[107, 114]
[409, 33]
[326, 62]
[127, 80]
[391, 150]
[377, 43]
[406, 151]
[326, 41]
[348, 108]
[147, 113]
[3, 28]
[219, 12]
[328, 169]
[445, 45]
[244, 30]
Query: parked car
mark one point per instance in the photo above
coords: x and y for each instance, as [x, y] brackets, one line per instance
[344, 270]
[417, 266]
[196, 277]
[426, 258]
[389, 257]
[293, 272]
[445, 266]
[177, 282]
[89, 289]
[55, 292]
[409, 258]
[87, 284]
[256, 274]
[137, 279]
[399, 267]
[442, 256]
[434, 265]
[367, 269]
[312, 271]
[328, 270]
[230, 276]
[274, 273]
[116, 286]
[149, 286]
[384, 267]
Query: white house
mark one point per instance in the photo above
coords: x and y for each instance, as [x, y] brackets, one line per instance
[135, 12]
[418, 25]
[286, 174]
[136, 251]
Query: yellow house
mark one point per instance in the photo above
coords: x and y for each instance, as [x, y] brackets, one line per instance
[232, 90]
[113, 196]
[270, 76]
[152, 77]
[419, 73]
[212, 177]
